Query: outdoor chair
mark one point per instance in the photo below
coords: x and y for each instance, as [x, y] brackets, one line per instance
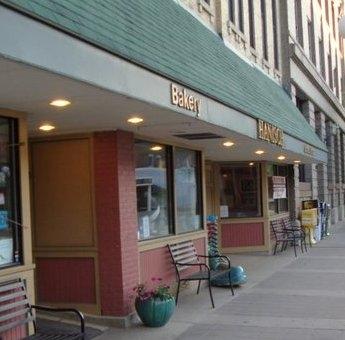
[279, 235]
[296, 233]
[284, 233]
[16, 311]
[185, 257]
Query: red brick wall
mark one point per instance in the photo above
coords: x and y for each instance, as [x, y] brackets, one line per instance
[14, 334]
[116, 214]
[70, 280]
[242, 234]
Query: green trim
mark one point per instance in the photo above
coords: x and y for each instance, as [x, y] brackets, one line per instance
[165, 38]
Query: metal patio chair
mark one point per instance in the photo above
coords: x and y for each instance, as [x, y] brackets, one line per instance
[184, 257]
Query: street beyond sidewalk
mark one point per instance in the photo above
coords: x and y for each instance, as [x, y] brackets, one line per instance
[285, 298]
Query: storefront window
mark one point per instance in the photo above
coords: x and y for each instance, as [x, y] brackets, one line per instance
[240, 194]
[187, 190]
[168, 186]
[10, 243]
[278, 189]
[152, 190]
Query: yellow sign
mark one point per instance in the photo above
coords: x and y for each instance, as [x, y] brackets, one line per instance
[309, 218]
[270, 133]
[181, 98]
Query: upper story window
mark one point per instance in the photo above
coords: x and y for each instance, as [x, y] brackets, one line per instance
[333, 19]
[311, 35]
[232, 14]
[251, 23]
[298, 22]
[330, 68]
[275, 34]
[240, 16]
[322, 55]
[264, 29]
[326, 11]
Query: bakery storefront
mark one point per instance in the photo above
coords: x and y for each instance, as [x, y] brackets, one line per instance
[150, 144]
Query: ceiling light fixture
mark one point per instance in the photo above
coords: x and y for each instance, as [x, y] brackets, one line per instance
[281, 157]
[60, 103]
[251, 164]
[47, 127]
[259, 152]
[135, 120]
[297, 161]
[156, 148]
[228, 143]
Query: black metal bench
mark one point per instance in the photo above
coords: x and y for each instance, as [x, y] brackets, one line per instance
[16, 311]
[184, 256]
[284, 233]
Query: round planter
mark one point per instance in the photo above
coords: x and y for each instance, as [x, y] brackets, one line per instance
[155, 312]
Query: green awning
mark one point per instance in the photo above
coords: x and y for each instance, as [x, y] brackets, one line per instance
[164, 37]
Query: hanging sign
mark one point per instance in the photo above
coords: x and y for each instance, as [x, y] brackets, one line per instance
[279, 187]
[270, 133]
[181, 98]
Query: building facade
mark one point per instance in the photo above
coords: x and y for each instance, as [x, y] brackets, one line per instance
[172, 111]
[298, 44]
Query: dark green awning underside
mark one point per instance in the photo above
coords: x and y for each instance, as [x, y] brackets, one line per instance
[165, 38]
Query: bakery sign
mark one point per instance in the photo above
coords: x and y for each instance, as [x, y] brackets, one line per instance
[182, 98]
[270, 133]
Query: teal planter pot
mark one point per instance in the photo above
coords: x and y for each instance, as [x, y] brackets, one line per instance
[155, 312]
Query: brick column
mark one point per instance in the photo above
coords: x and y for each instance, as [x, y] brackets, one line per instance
[308, 111]
[321, 168]
[116, 213]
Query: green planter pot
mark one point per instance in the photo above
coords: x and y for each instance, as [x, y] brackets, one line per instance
[155, 312]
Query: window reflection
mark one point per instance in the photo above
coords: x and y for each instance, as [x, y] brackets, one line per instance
[152, 190]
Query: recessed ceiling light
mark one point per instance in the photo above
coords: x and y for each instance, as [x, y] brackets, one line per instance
[60, 102]
[156, 148]
[135, 120]
[46, 127]
[228, 143]
[251, 164]
[259, 152]
[297, 161]
[281, 157]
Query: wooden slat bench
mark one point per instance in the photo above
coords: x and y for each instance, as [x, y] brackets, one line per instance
[16, 311]
[184, 256]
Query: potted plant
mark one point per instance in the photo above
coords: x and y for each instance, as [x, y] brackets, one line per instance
[154, 305]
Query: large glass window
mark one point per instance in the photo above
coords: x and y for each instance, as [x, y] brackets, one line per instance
[168, 183]
[187, 190]
[152, 190]
[240, 194]
[10, 219]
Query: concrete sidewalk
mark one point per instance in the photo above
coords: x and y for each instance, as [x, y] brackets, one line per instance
[285, 298]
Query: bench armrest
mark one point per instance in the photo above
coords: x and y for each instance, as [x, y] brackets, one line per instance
[193, 264]
[64, 310]
[217, 256]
